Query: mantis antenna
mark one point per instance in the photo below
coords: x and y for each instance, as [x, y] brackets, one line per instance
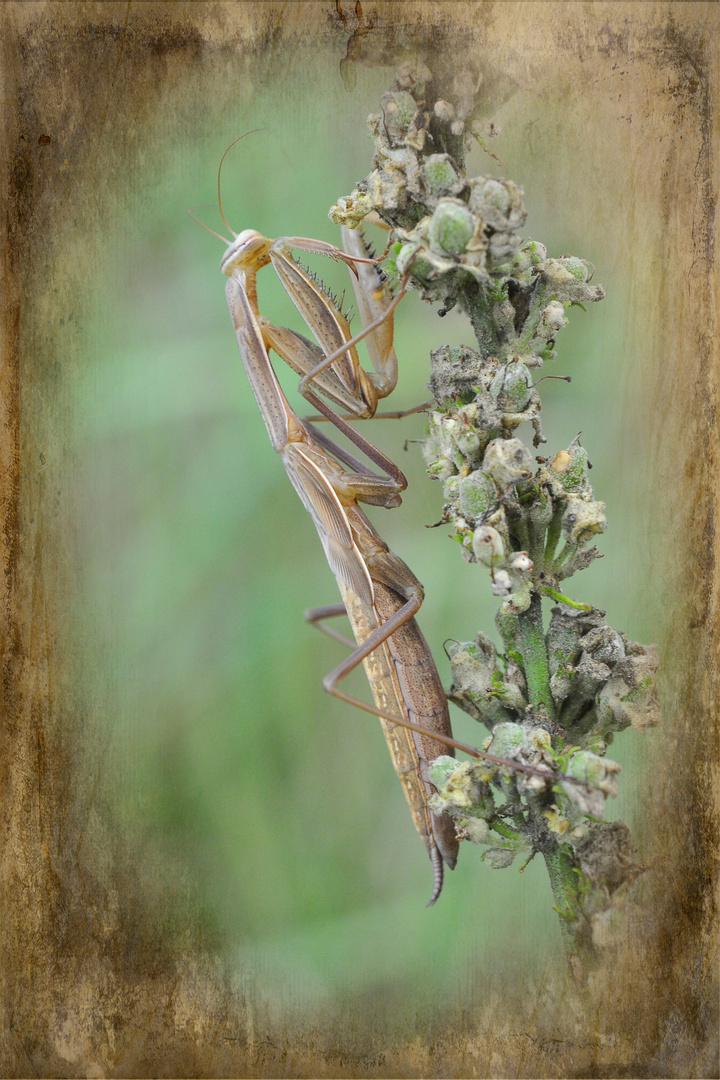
[222, 215]
[227, 151]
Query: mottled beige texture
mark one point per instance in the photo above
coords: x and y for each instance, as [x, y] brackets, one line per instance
[86, 990]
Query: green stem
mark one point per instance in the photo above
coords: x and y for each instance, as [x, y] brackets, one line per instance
[536, 537]
[504, 830]
[525, 634]
[562, 558]
[478, 308]
[563, 882]
[553, 536]
[561, 598]
[520, 528]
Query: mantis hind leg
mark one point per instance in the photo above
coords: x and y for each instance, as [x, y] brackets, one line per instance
[316, 616]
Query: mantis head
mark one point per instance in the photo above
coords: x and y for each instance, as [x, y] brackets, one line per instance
[247, 252]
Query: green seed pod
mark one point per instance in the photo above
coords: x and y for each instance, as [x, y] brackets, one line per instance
[467, 441]
[439, 174]
[477, 492]
[437, 449]
[510, 695]
[557, 272]
[572, 467]
[474, 673]
[451, 226]
[536, 251]
[451, 489]
[521, 263]
[516, 601]
[577, 268]
[586, 767]
[441, 469]
[511, 387]
[507, 739]
[409, 259]
[530, 254]
[455, 435]
[399, 109]
[440, 769]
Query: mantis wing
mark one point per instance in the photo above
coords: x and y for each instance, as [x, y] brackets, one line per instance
[322, 503]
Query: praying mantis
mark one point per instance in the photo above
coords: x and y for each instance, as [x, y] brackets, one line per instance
[380, 594]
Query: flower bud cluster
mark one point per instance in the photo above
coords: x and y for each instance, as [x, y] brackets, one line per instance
[516, 812]
[505, 513]
[418, 139]
[601, 683]
[481, 688]
[458, 238]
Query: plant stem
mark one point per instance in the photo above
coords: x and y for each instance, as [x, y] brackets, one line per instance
[504, 830]
[478, 309]
[545, 590]
[525, 633]
[563, 882]
[553, 536]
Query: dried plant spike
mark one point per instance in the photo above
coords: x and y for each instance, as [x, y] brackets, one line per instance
[558, 691]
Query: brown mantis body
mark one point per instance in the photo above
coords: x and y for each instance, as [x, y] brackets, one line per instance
[380, 594]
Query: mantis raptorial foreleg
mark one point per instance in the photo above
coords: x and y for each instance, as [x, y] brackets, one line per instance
[335, 372]
[333, 366]
[376, 306]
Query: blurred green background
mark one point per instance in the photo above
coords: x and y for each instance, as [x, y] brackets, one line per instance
[261, 817]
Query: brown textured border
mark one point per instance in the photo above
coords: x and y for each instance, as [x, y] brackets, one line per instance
[82, 80]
